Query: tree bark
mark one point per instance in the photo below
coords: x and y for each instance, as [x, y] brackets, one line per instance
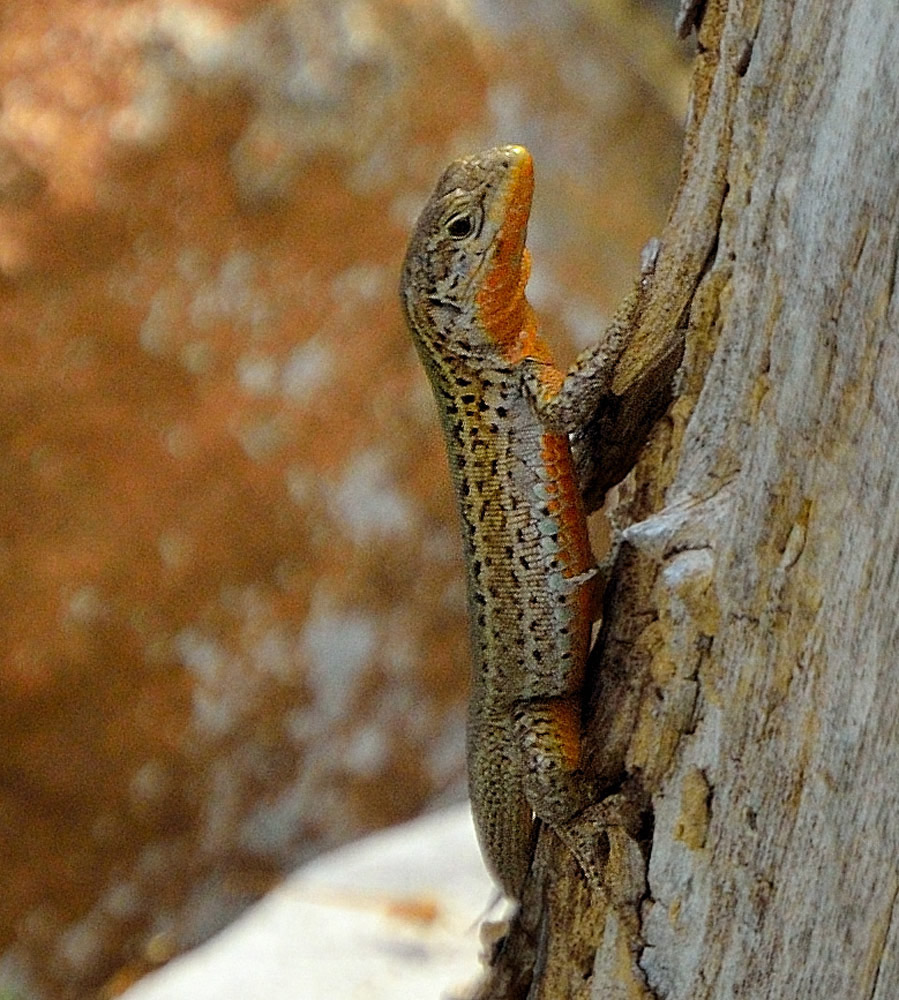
[745, 679]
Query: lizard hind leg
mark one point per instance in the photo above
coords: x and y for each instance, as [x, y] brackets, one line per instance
[598, 834]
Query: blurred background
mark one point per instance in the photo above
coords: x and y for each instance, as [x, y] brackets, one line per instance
[233, 612]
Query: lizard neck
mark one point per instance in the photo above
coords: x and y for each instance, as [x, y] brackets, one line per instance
[501, 307]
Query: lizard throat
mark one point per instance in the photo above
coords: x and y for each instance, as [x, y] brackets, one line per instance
[504, 312]
[502, 309]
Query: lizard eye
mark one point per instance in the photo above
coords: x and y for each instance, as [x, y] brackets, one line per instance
[460, 226]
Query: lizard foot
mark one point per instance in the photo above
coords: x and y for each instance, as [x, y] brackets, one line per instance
[603, 838]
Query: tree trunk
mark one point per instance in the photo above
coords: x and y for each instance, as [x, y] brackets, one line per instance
[746, 672]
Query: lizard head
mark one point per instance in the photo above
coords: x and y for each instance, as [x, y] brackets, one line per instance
[466, 267]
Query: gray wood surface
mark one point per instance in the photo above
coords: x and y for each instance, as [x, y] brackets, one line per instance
[749, 660]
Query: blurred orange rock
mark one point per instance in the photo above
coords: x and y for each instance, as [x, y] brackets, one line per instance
[233, 613]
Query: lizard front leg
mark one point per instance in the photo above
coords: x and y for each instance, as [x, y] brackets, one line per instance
[613, 393]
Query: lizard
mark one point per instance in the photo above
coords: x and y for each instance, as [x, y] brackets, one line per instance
[507, 412]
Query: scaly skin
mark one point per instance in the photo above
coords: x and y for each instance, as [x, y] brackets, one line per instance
[503, 410]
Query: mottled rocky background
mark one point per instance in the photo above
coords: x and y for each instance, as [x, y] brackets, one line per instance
[233, 623]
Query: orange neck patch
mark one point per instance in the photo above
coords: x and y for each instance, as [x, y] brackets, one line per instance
[503, 309]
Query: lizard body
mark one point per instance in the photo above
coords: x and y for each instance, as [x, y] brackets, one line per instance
[506, 413]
